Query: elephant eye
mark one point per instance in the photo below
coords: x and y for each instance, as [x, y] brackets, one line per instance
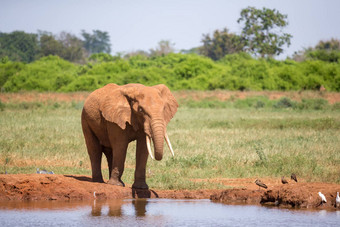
[140, 109]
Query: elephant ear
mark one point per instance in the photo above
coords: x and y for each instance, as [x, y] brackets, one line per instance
[171, 105]
[116, 108]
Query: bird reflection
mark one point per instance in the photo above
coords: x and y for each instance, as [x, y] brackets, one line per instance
[96, 209]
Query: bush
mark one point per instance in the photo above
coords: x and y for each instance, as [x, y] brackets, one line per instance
[177, 71]
[47, 74]
[284, 103]
[8, 69]
[313, 104]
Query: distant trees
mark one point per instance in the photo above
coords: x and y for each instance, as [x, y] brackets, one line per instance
[262, 31]
[220, 44]
[66, 46]
[328, 50]
[97, 42]
[261, 35]
[19, 46]
[164, 47]
[27, 47]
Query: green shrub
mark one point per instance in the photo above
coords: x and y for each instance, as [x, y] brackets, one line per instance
[8, 69]
[2, 106]
[47, 74]
[284, 103]
[82, 83]
[313, 104]
[178, 71]
[253, 102]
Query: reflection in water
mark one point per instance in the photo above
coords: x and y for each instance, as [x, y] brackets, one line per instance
[115, 207]
[140, 207]
[156, 212]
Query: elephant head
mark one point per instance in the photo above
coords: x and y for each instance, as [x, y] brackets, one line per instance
[147, 108]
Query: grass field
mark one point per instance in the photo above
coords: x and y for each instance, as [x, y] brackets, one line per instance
[254, 137]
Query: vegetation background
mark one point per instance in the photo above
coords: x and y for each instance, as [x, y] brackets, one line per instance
[65, 62]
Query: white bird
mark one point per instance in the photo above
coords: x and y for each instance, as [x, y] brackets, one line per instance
[337, 200]
[323, 198]
[94, 195]
[44, 171]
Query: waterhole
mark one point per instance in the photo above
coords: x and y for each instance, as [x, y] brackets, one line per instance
[157, 212]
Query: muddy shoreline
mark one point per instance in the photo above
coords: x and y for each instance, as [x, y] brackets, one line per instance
[33, 187]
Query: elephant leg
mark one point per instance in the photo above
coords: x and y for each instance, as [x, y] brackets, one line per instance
[108, 153]
[141, 160]
[94, 150]
[118, 161]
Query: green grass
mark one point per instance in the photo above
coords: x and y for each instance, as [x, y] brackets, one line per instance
[231, 140]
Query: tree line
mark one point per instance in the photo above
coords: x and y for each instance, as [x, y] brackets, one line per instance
[28, 47]
[262, 36]
[225, 60]
[258, 37]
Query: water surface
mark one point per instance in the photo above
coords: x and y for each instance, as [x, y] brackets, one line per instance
[157, 212]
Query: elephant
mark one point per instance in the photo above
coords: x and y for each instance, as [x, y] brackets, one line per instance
[114, 115]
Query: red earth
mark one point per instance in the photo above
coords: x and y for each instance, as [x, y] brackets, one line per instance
[331, 97]
[242, 191]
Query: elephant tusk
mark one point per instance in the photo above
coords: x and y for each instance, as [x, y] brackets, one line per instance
[149, 146]
[169, 144]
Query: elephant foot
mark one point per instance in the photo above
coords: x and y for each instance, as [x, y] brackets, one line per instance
[97, 179]
[116, 182]
[140, 185]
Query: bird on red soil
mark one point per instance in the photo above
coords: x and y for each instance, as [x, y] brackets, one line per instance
[323, 198]
[293, 177]
[260, 184]
[283, 180]
[337, 200]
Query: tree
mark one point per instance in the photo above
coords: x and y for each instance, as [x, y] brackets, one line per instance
[328, 50]
[164, 47]
[329, 45]
[66, 46]
[221, 44]
[136, 53]
[72, 47]
[262, 31]
[49, 45]
[19, 46]
[98, 42]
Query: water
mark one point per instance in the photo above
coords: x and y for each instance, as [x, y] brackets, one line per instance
[157, 212]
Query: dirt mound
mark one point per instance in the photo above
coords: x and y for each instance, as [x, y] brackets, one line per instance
[294, 195]
[244, 191]
[77, 187]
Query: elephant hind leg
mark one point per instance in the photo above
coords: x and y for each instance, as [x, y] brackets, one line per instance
[94, 150]
[108, 153]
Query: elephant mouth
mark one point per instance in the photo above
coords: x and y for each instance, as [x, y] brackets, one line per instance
[148, 145]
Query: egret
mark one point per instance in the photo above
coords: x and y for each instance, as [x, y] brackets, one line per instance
[323, 198]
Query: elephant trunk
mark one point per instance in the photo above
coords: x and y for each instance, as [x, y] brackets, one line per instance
[157, 127]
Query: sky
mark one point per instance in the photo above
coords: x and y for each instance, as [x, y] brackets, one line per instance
[139, 25]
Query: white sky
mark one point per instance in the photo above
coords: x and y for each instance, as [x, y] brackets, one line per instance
[140, 25]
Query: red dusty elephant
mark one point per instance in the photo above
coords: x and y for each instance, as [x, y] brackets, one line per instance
[113, 116]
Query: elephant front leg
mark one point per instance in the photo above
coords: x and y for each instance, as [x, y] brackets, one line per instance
[141, 160]
[118, 160]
